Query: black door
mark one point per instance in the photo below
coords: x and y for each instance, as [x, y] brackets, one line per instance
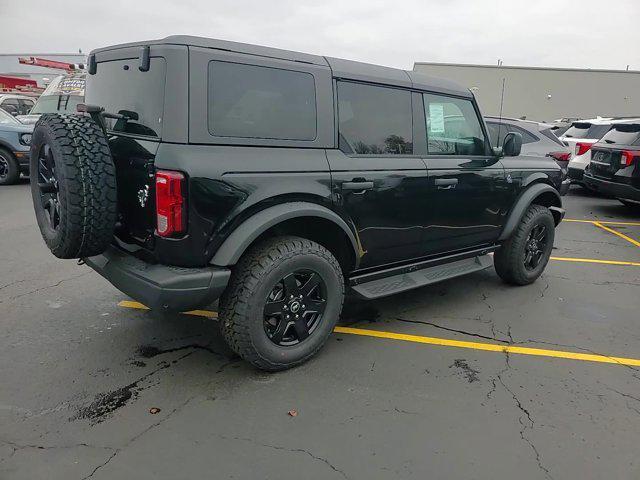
[379, 184]
[467, 188]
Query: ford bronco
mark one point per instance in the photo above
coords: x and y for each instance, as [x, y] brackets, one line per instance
[276, 182]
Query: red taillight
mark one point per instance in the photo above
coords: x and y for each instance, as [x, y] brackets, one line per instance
[627, 157]
[170, 211]
[582, 148]
[560, 156]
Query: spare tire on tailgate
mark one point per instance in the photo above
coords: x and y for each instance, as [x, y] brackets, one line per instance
[73, 185]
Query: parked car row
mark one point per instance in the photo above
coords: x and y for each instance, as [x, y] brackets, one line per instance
[603, 156]
[18, 115]
[614, 168]
[15, 141]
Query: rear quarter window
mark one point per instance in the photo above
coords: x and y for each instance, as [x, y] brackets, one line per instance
[250, 101]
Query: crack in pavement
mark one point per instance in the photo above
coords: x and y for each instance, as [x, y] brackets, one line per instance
[463, 332]
[469, 372]
[511, 340]
[10, 284]
[24, 294]
[593, 283]
[529, 424]
[293, 450]
[15, 447]
[138, 436]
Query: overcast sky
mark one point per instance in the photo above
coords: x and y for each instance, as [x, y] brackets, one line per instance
[573, 33]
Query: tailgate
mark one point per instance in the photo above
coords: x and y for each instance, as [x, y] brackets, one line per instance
[604, 163]
[134, 161]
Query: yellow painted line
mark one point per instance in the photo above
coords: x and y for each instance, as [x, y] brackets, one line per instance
[489, 347]
[595, 260]
[619, 234]
[603, 222]
[445, 342]
[197, 313]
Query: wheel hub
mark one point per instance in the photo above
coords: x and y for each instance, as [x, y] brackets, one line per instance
[294, 307]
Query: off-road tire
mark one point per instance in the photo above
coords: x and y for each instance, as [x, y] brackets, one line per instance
[86, 185]
[14, 169]
[241, 306]
[509, 258]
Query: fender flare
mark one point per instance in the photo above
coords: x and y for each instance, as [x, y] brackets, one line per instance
[522, 204]
[239, 240]
[7, 146]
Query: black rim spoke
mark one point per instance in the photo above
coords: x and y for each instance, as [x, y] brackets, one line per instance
[315, 305]
[279, 332]
[310, 285]
[274, 308]
[290, 284]
[294, 307]
[302, 329]
[48, 186]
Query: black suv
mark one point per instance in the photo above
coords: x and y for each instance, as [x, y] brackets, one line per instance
[615, 164]
[278, 181]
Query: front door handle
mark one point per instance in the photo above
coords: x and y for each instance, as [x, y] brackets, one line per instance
[446, 183]
[357, 185]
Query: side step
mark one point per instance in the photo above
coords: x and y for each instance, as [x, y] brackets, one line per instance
[406, 281]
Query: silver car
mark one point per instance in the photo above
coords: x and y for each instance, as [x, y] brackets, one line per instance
[538, 139]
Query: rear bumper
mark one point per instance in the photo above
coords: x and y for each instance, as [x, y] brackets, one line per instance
[160, 286]
[618, 190]
[575, 175]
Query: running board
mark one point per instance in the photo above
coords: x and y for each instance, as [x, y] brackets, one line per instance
[382, 287]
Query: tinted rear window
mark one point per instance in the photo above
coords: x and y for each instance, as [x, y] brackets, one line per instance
[119, 85]
[586, 130]
[261, 102]
[623, 135]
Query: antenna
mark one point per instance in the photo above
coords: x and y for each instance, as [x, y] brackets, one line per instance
[500, 124]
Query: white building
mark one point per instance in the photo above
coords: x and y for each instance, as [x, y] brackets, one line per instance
[545, 94]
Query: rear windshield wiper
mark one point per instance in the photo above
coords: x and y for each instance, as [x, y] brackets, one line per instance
[98, 115]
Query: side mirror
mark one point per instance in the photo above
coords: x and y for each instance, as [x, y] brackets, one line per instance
[512, 144]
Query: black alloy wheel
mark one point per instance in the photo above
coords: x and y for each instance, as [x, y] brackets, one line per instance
[535, 246]
[48, 186]
[4, 168]
[294, 307]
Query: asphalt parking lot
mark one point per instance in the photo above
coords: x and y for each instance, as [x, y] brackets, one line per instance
[465, 379]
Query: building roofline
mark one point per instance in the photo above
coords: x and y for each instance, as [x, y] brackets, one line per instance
[520, 67]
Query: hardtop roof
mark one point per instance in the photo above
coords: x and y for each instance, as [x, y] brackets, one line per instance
[346, 69]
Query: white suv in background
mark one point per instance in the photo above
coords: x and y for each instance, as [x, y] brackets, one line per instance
[581, 136]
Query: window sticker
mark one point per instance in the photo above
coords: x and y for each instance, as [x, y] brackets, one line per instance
[436, 117]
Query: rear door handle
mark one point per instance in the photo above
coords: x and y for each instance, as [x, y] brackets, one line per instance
[446, 183]
[357, 185]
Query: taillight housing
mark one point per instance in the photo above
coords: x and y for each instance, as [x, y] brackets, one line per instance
[628, 157]
[171, 216]
[582, 148]
[560, 156]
